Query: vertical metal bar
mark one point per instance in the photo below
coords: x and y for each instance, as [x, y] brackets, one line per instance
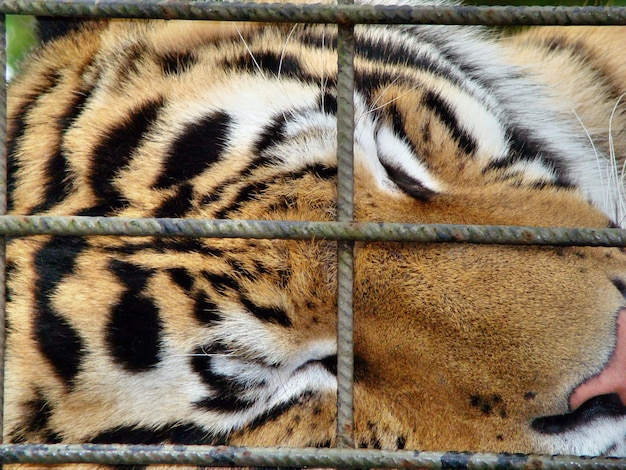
[3, 205]
[345, 249]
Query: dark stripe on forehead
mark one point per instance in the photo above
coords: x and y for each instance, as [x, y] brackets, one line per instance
[176, 63]
[446, 114]
[128, 61]
[200, 145]
[58, 341]
[311, 35]
[116, 149]
[271, 64]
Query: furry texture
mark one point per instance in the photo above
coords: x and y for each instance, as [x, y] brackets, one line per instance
[233, 341]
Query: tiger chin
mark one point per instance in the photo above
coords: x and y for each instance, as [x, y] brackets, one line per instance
[464, 347]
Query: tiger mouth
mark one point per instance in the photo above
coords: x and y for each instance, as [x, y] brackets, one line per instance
[603, 406]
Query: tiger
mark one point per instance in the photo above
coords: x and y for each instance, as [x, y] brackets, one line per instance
[215, 341]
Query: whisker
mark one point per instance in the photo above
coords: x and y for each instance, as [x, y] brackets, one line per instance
[250, 52]
[376, 108]
[282, 54]
[619, 175]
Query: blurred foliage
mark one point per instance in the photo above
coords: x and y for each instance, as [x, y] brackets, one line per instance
[21, 36]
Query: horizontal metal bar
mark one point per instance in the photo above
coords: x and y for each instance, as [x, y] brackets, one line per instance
[223, 456]
[344, 14]
[18, 226]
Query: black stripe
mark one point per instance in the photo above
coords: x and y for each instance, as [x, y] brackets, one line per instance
[37, 413]
[10, 269]
[270, 62]
[75, 109]
[399, 53]
[447, 116]
[205, 310]
[173, 433]
[524, 146]
[58, 175]
[272, 134]
[311, 36]
[586, 57]
[134, 329]
[176, 63]
[116, 149]
[221, 282]
[51, 28]
[274, 315]
[245, 194]
[182, 278]
[177, 205]
[184, 245]
[254, 190]
[277, 411]
[195, 149]
[227, 390]
[129, 59]
[224, 403]
[132, 276]
[17, 127]
[58, 185]
[328, 103]
[58, 341]
[368, 82]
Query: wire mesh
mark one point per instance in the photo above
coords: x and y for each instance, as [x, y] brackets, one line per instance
[344, 229]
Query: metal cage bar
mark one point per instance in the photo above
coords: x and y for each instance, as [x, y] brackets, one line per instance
[22, 226]
[344, 230]
[3, 207]
[224, 456]
[313, 13]
[345, 248]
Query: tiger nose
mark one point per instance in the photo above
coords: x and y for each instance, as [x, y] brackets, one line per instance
[611, 379]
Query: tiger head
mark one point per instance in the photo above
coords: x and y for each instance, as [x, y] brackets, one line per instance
[456, 346]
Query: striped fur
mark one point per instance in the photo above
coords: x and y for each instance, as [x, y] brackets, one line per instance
[458, 347]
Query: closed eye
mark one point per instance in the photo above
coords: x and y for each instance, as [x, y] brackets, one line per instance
[406, 183]
[403, 167]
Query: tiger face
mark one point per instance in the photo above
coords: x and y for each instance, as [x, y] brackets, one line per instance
[206, 341]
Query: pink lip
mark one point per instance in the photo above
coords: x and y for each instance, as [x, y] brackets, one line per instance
[611, 379]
